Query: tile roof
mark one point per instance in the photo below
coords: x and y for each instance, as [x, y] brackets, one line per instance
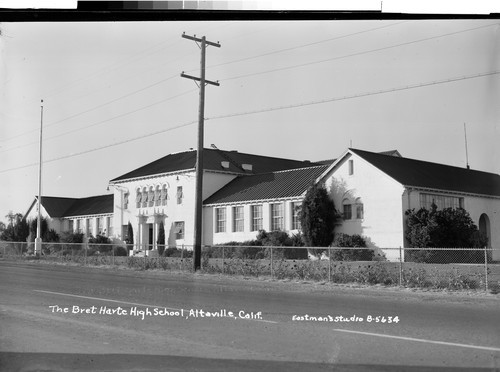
[212, 159]
[58, 207]
[417, 173]
[283, 184]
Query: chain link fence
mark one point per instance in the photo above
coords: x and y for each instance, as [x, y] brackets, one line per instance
[432, 268]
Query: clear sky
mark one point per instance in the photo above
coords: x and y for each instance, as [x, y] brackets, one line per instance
[114, 99]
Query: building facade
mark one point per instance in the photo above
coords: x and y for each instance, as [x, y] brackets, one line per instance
[246, 193]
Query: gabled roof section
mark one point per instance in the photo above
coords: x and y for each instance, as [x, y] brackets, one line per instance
[101, 204]
[212, 159]
[57, 207]
[417, 173]
[283, 184]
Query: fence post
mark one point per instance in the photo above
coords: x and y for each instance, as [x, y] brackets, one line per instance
[85, 248]
[486, 269]
[222, 260]
[272, 271]
[329, 265]
[113, 255]
[400, 267]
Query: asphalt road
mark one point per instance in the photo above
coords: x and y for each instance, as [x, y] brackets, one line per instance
[85, 319]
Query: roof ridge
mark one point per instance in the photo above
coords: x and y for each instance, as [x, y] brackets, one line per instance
[424, 161]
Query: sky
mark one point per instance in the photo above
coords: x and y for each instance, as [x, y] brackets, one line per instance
[114, 100]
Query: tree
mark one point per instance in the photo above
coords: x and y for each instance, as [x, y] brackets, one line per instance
[48, 235]
[129, 239]
[446, 228]
[161, 239]
[317, 217]
[17, 230]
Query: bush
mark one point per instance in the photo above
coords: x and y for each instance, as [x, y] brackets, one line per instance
[120, 251]
[352, 241]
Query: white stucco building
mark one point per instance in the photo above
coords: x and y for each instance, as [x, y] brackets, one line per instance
[244, 193]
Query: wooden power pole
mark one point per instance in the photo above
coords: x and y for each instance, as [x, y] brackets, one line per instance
[199, 153]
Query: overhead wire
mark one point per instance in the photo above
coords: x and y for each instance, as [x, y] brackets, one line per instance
[333, 99]
[93, 108]
[104, 121]
[356, 54]
[301, 46]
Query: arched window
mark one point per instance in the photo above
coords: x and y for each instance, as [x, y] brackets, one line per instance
[164, 195]
[157, 196]
[144, 197]
[360, 213]
[347, 209]
[138, 198]
[151, 197]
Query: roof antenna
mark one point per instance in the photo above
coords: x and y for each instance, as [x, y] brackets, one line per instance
[466, 152]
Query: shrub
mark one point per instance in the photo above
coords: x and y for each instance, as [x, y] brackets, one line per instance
[353, 241]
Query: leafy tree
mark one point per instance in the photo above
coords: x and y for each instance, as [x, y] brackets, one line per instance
[317, 217]
[446, 228]
[161, 239]
[129, 239]
[48, 235]
[17, 230]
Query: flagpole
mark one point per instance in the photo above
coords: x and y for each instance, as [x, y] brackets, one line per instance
[38, 240]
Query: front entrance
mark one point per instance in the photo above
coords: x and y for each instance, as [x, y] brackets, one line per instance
[150, 236]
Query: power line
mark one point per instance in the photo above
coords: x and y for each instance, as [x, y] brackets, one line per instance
[366, 94]
[94, 108]
[103, 147]
[102, 121]
[373, 93]
[301, 46]
[357, 53]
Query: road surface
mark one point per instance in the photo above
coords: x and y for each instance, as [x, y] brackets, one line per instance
[84, 319]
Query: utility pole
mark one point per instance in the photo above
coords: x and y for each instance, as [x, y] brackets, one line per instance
[199, 153]
[38, 240]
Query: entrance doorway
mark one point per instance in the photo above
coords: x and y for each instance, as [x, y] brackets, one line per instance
[150, 236]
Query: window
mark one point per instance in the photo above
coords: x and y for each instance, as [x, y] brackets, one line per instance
[157, 196]
[351, 167]
[138, 198]
[347, 209]
[441, 201]
[79, 226]
[360, 214]
[109, 223]
[277, 216]
[164, 195]
[100, 225]
[125, 200]
[256, 211]
[180, 195]
[179, 230]
[90, 227]
[144, 197]
[296, 209]
[151, 197]
[238, 221]
[70, 227]
[220, 220]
